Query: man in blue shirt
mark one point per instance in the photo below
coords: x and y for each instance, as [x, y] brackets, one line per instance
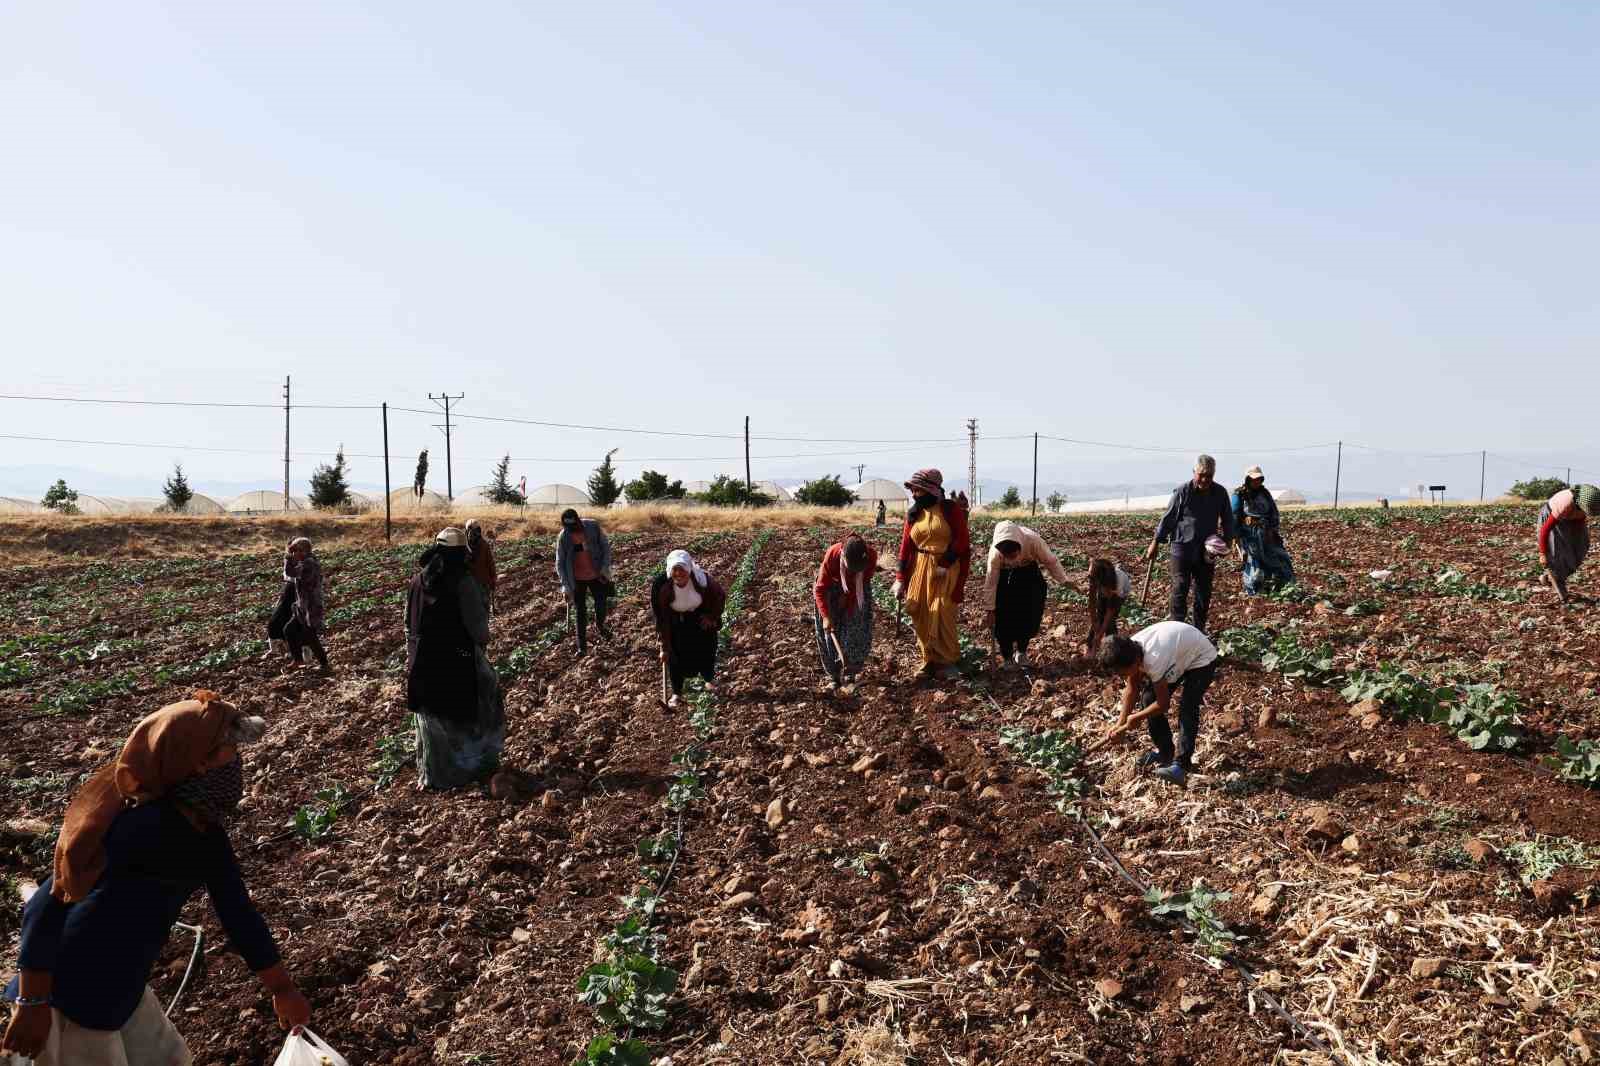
[1200, 508]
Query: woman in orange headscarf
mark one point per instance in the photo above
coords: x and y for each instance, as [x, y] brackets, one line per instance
[138, 839]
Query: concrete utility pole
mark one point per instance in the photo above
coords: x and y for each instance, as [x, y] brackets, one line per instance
[1338, 468]
[747, 487]
[286, 442]
[1033, 505]
[860, 470]
[972, 458]
[1483, 469]
[443, 399]
[388, 505]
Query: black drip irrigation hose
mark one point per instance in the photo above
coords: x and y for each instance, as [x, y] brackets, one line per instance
[1296, 1026]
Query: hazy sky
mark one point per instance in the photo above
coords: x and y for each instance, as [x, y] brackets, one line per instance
[1230, 225]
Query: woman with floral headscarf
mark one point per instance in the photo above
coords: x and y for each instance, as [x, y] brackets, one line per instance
[687, 603]
[450, 684]
[139, 838]
[1255, 518]
[935, 556]
[1564, 534]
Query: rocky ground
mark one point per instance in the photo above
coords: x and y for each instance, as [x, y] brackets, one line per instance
[880, 875]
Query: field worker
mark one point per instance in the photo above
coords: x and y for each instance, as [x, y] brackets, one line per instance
[1014, 588]
[687, 603]
[1156, 660]
[935, 556]
[1199, 509]
[305, 628]
[583, 565]
[843, 594]
[1564, 534]
[1109, 588]
[282, 615]
[461, 716]
[883, 515]
[480, 559]
[1255, 516]
[139, 838]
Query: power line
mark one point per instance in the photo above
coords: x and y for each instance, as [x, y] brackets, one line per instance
[196, 403]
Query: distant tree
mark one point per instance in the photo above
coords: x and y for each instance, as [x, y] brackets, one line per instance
[1055, 501]
[60, 498]
[1008, 500]
[329, 489]
[176, 490]
[652, 485]
[1538, 488]
[727, 491]
[824, 492]
[419, 484]
[500, 488]
[603, 487]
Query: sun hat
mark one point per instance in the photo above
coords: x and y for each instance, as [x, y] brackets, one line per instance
[1587, 497]
[1254, 471]
[451, 537]
[928, 481]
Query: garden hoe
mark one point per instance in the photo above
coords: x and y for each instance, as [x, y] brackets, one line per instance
[1149, 572]
[838, 650]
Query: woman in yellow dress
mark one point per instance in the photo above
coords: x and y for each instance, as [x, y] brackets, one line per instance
[935, 557]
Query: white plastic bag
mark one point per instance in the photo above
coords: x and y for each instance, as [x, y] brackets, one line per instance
[305, 1048]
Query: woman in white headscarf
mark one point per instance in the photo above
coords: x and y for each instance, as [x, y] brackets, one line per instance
[687, 603]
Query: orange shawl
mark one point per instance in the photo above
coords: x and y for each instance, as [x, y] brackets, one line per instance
[164, 750]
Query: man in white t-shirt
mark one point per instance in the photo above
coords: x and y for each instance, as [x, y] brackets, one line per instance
[1162, 657]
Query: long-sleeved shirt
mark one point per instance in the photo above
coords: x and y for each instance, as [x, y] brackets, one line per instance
[1563, 508]
[101, 949]
[830, 583]
[306, 575]
[959, 553]
[1258, 505]
[1192, 516]
[1035, 552]
[595, 546]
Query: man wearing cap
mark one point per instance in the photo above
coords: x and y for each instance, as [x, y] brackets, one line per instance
[1198, 511]
[1564, 534]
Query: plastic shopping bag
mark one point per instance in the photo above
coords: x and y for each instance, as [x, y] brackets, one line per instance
[305, 1048]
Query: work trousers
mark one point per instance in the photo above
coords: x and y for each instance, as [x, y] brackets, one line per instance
[1194, 684]
[581, 591]
[1199, 573]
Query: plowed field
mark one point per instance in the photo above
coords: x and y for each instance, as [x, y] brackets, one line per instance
[874, 876]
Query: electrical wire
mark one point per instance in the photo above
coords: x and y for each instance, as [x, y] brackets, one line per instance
[198, 403]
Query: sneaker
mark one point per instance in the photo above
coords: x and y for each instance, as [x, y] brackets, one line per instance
[1021, 659]
[1172, 772]
[1148, 761]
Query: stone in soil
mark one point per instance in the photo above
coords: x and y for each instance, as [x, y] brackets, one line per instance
[1426, 968]
[776, 814]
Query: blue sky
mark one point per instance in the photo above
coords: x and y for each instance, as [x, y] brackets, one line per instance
[1233, 225]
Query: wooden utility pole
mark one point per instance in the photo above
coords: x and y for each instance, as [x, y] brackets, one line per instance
[1338, 469]
[1483, 468]
[1033, 506]
[443, 399]
[861, 469]
[388, 506]
[972, 459]
[747, 486]
[286, 442]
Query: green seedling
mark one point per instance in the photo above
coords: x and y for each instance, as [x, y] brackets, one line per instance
[1197, 906]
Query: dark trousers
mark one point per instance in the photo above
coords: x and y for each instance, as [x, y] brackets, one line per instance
[1194, 685]
[694, 651]
[1197, 572]
[300, 638]
[1018, 607]
[581, 591]
[282, 614]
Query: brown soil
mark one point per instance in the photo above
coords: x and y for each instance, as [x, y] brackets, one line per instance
[935, 909]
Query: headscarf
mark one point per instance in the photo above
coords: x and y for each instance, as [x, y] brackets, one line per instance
[928, 482]
[861, 576]
[163, 751]
[678, 558]
[301, 542]
[1587, 497]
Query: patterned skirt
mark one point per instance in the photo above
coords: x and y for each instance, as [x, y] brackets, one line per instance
[854, 631]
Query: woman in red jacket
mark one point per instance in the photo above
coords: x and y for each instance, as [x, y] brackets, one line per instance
[1564, 533]
[843, 593]
[935, 556]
